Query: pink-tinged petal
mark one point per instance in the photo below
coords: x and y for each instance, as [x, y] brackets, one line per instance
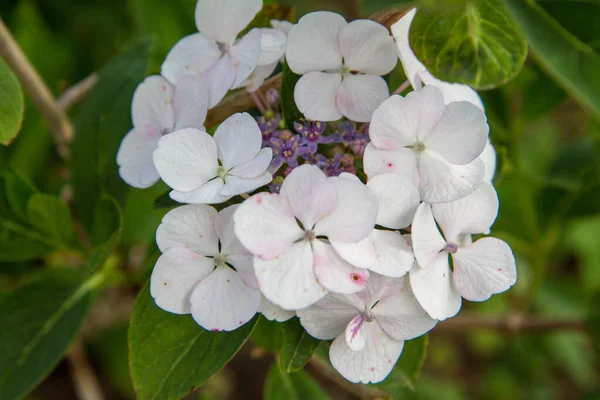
[207, 193]
[222, 302]
[223, 223]
[244, 265]
[373, 363]
[488, 157]
[186, 159]
[272, 45]
[255, 166]
[152, 108]
[360, 95]
[378, 288]
[361, 254]
[401, 161]
[334, 273]
[238, 140]
[192, 55]
[235, 185]
[191, 227]
[312, 44]
[190, 102]
[461, 134]
[485, 267]
[135, 159]
[311, 194]
[283, 26]
[442, 181]
[257, 78]
[426, 239]
[435, 290]
[175, 275]
[316, 94]
[354, 338]
[273, 312]
[398, 200]
[401, 316]
[289, 280]
[329, 317]
[394, 256]
[222, 20]
[367, 47]
[245, 55]
[265, 225]
[354, 215]
[472, 214]
[219, 78]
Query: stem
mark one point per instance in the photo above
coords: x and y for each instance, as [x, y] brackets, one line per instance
[402, 87]
[513, 323]
[87, 385]
[259, 104]
[42, 98]
[77, 92]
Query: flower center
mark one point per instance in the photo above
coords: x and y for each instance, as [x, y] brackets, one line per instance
[222, 172]
[419, 147]
[344, 71]
[309, 235]
[220, 259]
[452, 248]
[368, 316]
[224, 47]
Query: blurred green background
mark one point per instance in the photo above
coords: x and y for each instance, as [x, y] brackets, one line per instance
[548, 180]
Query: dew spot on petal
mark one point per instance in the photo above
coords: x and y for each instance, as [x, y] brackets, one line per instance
[240, 322]
[227, 280]
[372, 369]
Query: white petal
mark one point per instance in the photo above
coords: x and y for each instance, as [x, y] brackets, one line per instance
[354, 337]
[222, 20]
[461, 134]
[190, 226]
[238, 140]
[434, 289]
[235, 185]
[175, 275]
[483, 268]
[273, 312]
[245, 55]
[426, 239]
[400, 161]
[207, 193]
[257, 78]
[219, 79]
[360, 95]
[289, 280]
[442, 181]
[244, 265]
[367, 47]
[190, 102]
[223, 225]
[361, 254]
[272, 45]
[152, 108]
[394, 256]
[312, 195]
[186, 159]
[315, 95]
[371, 364]
[329, 317]
[135, 159]
[312, 44]
[334, 273]
[354, 215]
[283, 26]
[222, 302]
[488, 157]
[398, 200]
[255, 166]
[265, 225]
[192, 55]
[473, 214]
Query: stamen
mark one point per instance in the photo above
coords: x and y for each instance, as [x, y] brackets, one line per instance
[309, 235]
[451, 248]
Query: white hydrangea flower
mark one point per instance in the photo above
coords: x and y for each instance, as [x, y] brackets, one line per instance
[296, 265]
[434, 144]
[204, 169]
[273, 312]
[480, 268]
[272, 49]
[157, 109]
[214, 53]
[369, 327]
[386, 251]
[341, 65]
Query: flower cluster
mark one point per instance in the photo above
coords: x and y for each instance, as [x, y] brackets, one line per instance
[364, 231]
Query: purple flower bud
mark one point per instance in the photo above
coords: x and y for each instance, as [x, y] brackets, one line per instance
[273, 97]
[312, 134]
[286, 149]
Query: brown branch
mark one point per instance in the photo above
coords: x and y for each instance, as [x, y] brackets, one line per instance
[42, 98]
[86, 383]
[512, 324]
[77, 92]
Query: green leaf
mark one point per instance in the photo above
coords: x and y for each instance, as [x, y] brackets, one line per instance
[571, 63]
[18, 192]
[51, 216]
[11, 105]
[293, 386]
[269, 12]
[593, 321]
[406, 372]
[21, 248]
[297, 346]
[107, 220]
[170, 355]
[288, 104]
[477, 44]
[39, 321]
[267, 334]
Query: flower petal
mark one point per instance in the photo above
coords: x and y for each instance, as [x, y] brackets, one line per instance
[151, 108]
[265, 225]
[282, 25]
[175, 275]
[222, 302]
[186, 159]
[272, 45]
[483, 268]
[400, 161]
[255, 166]
[191, 227]
[219, 79]
[222, 20]
[289, 280]
[190, 102]
[315, 95]
[257, 78]
[488, 157]
[192, 55]
[426, 239]
[394, 256]
[273, 312]
[207, 193]
[398, 200]
[235, 185]
[354, 338]
[238, 140]
[245, 55]
[360, 95]
[334, 273]
[329, 317]
[367, 47]
[244, 265]
[312, 44]
[135, 159]
[223, 225]
[361, 254]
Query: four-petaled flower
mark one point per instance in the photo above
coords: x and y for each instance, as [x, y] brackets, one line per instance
[312, 134]
[287, 148]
